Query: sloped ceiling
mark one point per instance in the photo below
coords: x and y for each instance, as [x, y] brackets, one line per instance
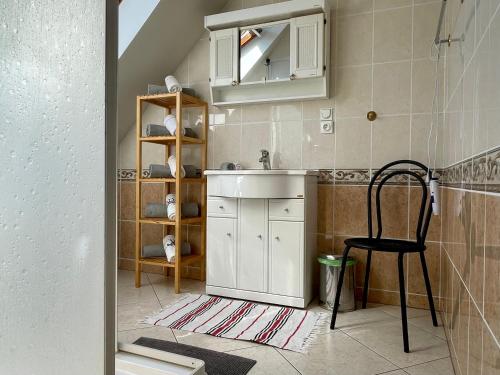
[160, 46]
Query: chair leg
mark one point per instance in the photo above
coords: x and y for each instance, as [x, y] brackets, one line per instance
[367, 278]
[428, 287]
[339, 287]
[402, 297]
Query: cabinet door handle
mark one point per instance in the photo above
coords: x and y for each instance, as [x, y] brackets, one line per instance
[286, 210]
[277, 238]
[259, 236]
[228, 234]
[221, 207]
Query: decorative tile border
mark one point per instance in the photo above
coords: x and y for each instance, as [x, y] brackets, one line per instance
[481, 173]
[131, 174]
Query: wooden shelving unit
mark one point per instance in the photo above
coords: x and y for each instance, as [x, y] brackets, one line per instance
[176, 101]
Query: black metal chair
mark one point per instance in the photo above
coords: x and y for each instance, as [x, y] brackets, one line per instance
[401, 247]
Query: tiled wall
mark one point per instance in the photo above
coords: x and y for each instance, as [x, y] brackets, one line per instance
[470, 255]
[380, 61]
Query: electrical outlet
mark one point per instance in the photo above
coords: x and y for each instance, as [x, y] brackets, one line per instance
[326, 127]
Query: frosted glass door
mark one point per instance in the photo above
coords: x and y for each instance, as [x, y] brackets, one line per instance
[53, 253]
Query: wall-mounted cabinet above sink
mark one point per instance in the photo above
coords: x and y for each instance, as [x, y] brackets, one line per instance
[270, 53]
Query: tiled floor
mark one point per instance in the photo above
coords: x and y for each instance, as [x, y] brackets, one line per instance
[368, 342]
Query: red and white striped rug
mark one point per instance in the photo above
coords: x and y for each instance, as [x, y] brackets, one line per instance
[282, 327]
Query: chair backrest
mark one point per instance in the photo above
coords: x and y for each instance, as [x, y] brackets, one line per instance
[425, 211]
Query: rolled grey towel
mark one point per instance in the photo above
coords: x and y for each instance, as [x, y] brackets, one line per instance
[227, 166]
[188, 132]
[153, 130]
[186, 248]
[155, 210]
[189, 91]
[190, 209]
[192, 171]
[153, 251]
[159, 171]
[157, 89]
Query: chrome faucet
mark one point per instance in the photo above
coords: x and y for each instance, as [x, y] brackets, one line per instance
[264, 159]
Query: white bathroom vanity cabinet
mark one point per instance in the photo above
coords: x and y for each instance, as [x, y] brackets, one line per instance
[261, 229]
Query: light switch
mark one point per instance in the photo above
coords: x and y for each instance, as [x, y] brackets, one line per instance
[326, 114]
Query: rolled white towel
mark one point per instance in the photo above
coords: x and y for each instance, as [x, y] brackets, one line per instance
[169, 246]
[172, 164]
[170, 122]
[172, 84]
[171, 211]
[170, 198]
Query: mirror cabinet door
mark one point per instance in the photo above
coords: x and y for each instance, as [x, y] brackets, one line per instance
[265, 53]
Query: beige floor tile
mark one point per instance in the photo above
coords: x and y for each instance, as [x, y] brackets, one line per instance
[396, 372]
[337, 354]
[130, 315]
[210, 342]
[164, 288]
[125, 278]
[386, 339]
[130, 294]
[269, 361]
[425, 323]
[395, 311]
[160, 333]
[439, 367]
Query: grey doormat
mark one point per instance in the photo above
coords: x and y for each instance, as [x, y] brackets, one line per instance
[216, 363]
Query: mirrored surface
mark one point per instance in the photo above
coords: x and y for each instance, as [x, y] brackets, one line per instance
[265, 53]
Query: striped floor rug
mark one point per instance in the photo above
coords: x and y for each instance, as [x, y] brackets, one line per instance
[282, 327]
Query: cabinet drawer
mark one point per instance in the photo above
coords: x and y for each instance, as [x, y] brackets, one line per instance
[222, 207]
[286, 209]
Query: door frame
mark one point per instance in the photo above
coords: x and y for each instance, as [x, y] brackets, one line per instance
[110, 186]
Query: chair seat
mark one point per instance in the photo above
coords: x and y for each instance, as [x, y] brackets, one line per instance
[382, 244]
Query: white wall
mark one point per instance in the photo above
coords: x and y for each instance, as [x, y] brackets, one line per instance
[371, 69]
[52, 152]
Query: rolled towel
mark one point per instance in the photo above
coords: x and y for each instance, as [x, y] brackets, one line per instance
[191, 171]
[156, 89]
[186, 248]
[153, 251]
[172, 84]
[189, 91]
[172, 164]
[156, 210]
[159, 171]
[170, 122]
[153, 130]
[170, 198]
[171, 209]
[168, 248]
[227, 166]
[189, 132]
[190, 209]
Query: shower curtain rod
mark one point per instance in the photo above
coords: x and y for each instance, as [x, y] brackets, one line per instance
[437, 39]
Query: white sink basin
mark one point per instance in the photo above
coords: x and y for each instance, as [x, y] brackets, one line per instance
[259, 183]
